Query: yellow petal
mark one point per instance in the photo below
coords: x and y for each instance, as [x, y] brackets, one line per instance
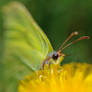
[72, 77]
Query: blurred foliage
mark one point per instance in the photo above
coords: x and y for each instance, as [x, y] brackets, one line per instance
[58, 18]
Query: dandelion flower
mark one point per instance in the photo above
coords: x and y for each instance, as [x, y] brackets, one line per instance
[73, 77]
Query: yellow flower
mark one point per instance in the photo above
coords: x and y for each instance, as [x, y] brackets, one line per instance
[72, 77]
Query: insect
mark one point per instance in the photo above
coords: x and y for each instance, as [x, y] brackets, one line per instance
[27, 41]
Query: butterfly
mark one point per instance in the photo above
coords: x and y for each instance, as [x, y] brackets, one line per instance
[27, 41]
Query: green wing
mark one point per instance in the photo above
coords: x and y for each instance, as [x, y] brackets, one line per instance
[24, 39]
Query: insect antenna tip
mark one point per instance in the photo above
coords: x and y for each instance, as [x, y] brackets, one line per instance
[85, 37]
[75, 33]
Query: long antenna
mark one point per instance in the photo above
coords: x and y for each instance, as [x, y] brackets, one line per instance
[68, 38]
[81, 38]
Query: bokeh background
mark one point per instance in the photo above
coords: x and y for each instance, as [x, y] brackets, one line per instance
[58, 18]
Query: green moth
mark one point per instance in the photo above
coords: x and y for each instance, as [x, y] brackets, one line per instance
[27, 41]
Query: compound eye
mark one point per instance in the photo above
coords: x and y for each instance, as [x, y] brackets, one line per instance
[55, 56]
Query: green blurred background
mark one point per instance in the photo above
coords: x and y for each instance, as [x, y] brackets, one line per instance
[58, 18]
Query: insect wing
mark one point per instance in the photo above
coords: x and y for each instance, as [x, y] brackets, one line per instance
[24, 38]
